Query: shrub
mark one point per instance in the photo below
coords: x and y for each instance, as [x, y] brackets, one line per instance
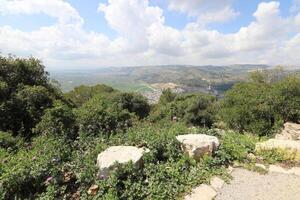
[8, 142]
[99, 116]
[287, 93]
[133, 102]
[59, 121]
[235, 147]
[249, 107]
[83, 93]
[193, 109]
[262, 106]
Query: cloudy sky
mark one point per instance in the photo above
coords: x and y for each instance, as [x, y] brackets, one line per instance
[95, 33]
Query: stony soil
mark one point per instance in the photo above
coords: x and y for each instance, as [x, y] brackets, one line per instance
[247, 185]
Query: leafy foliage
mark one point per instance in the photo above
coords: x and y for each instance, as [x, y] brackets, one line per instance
[259, 107]
[59, 121]
[193, 109]
[29, 171]
[82, 94]
[25, 92]
[98, 116]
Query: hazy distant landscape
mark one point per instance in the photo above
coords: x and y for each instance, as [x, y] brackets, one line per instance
[148, 79]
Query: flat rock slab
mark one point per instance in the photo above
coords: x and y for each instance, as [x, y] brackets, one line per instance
[118, 154]
[202, 192]
[197, 145]
[253, 186]
[290, 147]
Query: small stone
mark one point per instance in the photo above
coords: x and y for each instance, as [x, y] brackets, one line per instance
[93, 190]
[260, 166]
[251, 156]
[202, 192]
[217, 183]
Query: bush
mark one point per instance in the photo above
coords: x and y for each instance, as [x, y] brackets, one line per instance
[58, 121]
[287, 93]
[193, 109]
[83, 93]
[133, 102]
[8, 142]
[98, 116]
[235, 147]
[249, 107]
[261, 107]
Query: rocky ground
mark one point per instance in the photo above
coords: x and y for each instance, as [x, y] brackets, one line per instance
[253, 186]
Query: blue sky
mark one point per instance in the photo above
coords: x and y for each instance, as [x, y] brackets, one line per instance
[96, 33]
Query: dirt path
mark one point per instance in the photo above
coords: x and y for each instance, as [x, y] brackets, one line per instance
[247, 185]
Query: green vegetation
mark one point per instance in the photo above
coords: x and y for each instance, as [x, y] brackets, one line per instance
[260, 106]
[49, 141]
[193, 109]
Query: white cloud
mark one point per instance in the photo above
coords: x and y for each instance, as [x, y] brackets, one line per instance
[65, 13]
[223, 15]
[144, 38]
[207, 11]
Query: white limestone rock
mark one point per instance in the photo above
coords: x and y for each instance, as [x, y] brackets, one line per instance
[202, 192]
[197, 145]
[118, 154]
[291, 131]
[261, 166]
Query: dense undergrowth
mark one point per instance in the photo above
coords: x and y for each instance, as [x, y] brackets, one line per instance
[49, 141]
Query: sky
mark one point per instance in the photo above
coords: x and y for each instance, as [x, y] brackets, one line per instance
[79, 34]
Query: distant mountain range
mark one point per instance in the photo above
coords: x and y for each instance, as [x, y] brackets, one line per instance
[132, 78]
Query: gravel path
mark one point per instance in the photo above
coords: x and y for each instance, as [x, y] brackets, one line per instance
[247, 185]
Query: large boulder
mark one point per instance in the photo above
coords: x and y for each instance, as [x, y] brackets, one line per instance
[197, 145]
[118, 154]
[291, 131]
[290, 148]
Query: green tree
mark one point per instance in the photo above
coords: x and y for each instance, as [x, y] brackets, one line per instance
[287, 92]
[167, 96]
[249, 107]
[58, 120]
[25, 92]
[99, 116]
[133, 102]
[194, 109]
[82, 94]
